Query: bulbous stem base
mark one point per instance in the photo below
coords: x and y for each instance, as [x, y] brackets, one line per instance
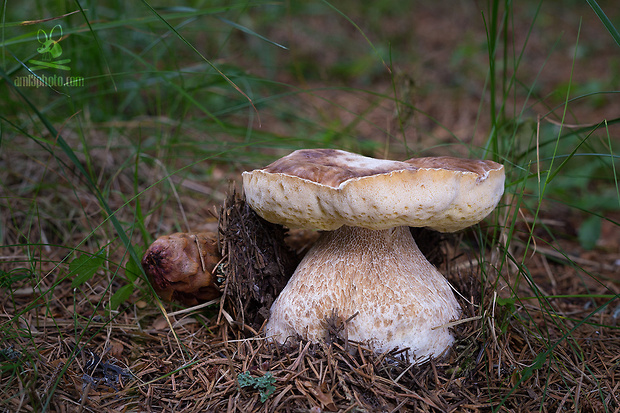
[380, 277]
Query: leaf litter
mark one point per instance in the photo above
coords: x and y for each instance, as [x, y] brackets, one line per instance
[556, 353]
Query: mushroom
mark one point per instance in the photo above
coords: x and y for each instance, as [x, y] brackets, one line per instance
[366, 266]
[180, 267]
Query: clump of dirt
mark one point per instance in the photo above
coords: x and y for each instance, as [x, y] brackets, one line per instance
[257, 263]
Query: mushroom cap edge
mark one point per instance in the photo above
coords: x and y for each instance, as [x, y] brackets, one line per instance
[444, 193]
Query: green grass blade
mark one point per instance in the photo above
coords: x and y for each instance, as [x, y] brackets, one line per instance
[553, 173]
[359, 29]
[250, 32]
[98, 43]
[613, 164]
[605, 20]
[191, 46]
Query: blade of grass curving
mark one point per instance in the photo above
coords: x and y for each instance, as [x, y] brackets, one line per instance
[29, 22]
[138, 207]
[570, 156]
[564, 112]
[250, 32]
[178, 88]
[108, 25]
[2, 34]
[43, 81]
[112, 24]
[605, 20]
[611, 155]
[491, 29]
[542, 187]
[191, 46]
[105, 60]
[359, 29]
[574, 132]
[583, 96]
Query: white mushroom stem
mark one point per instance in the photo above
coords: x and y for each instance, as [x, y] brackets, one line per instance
[401, 300]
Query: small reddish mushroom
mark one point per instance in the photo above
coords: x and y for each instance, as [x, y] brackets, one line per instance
[180, 267]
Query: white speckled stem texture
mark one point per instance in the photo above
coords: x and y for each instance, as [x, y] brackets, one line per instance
[400, 297]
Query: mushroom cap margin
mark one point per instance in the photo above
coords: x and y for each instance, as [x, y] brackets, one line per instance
[445, 194]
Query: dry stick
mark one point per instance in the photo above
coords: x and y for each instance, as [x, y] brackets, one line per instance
[568, 258]
[578, 392]
[174, 334]
[563, 402]
[400, 406]
[303, 391]
[194, 308]
[548, 271]
[338, 373]
[253, 354]
[615, 393]
[457, 322]
[403, 373]
[276, 401]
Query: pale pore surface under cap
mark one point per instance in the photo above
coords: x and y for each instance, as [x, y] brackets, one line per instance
[326, 188]
[400, 297]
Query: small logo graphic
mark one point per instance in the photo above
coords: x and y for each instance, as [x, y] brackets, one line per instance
[50, 50]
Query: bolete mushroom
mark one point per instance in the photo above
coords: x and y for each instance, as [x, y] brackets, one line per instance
[366, 266]
[180, 267]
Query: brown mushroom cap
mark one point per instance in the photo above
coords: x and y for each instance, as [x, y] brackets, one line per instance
[180, 267]
[326, 189]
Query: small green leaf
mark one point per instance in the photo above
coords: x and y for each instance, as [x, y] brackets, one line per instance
[84, 267]
[508, 303]
[589, 232]
[264, 384]
[132, 270]
[120, 296]
[245, 380]
[538, 363]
